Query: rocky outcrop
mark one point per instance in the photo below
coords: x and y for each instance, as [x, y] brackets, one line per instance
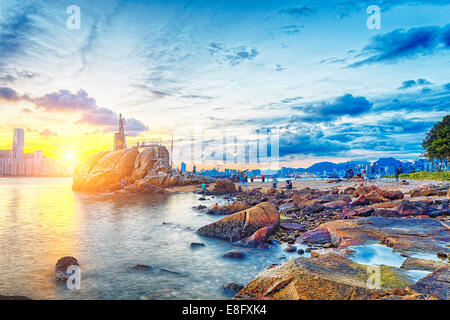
[139, 168]
[228, 209]
[421, 264]
[436, 284]
[243, 224]
[326, 277]
[224, 186]
[61, 267]
[408, 235]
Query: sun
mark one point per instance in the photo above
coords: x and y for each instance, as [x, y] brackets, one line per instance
[69, 156]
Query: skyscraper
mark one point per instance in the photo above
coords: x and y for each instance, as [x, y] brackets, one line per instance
[18, 143]
[119, 137]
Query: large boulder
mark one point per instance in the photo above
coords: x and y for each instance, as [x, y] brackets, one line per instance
[104, 171]
[224, 186]
[325, 277]
[243, 224]
[61, 267]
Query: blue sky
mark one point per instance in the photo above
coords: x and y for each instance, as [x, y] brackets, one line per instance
[336, 89]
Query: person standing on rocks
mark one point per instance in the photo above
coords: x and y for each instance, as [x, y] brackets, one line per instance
[263, 177]
[397, 172]
[194, 169]
[274, 181]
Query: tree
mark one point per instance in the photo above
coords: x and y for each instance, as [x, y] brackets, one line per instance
[437, 141]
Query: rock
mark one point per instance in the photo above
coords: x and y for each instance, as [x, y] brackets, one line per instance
[315, 207]
[243, 224]
[103, 171]
[300, 251]
[337, 204]
[404, 235]
[424, 191]
[442, 254]
[408, 208]
[234, 254]
[290, 249]
[233, 287]
[325, 277]
[286, 206]
[375, 197]
[142, 267]
[61, 267]
[315, 236]
[385, 213]
[228, 209]
[197, 245]
[360, 201]
[293, 226]
[199, 207]
[436, 284]
[392, 195]
[364, 212]
[257, 239]
[386, 205]
[224, 186]
[349, 191]
[421, 264]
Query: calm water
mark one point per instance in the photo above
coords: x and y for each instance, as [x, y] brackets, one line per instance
[42, 220]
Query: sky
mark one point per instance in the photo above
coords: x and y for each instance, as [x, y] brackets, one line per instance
[313, 72]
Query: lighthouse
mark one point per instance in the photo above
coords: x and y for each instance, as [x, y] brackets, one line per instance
[119, 137]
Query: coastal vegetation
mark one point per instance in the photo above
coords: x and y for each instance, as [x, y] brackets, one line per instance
[425, 175]
[437, 141]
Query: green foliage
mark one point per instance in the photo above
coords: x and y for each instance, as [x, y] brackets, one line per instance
[437, 141]
[425, 175]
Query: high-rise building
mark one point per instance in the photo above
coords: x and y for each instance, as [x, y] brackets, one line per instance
[119, 137]
[18, 143]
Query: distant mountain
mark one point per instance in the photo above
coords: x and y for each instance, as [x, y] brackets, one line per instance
[323, 166]
[320, 167]
[386, 162]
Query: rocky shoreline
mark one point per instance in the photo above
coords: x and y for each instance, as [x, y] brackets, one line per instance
[329, 221]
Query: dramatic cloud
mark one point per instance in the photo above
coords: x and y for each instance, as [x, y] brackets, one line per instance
[64, 100]
[413, 83]
[104, 117]
[401, 44]
[8, 94]
[81, 102]
[299, 11]
[309, 144]
[329, 111]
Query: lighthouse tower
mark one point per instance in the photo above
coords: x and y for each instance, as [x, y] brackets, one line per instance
[119, 137]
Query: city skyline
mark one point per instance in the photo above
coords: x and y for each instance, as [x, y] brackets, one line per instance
[335, 89]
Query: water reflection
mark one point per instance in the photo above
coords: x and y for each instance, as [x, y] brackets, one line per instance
[42, 220]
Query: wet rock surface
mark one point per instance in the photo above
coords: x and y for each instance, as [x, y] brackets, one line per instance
[61, 267]
[243, 224]
[325, 277]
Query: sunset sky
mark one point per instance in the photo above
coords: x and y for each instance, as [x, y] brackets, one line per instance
[337, 90]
